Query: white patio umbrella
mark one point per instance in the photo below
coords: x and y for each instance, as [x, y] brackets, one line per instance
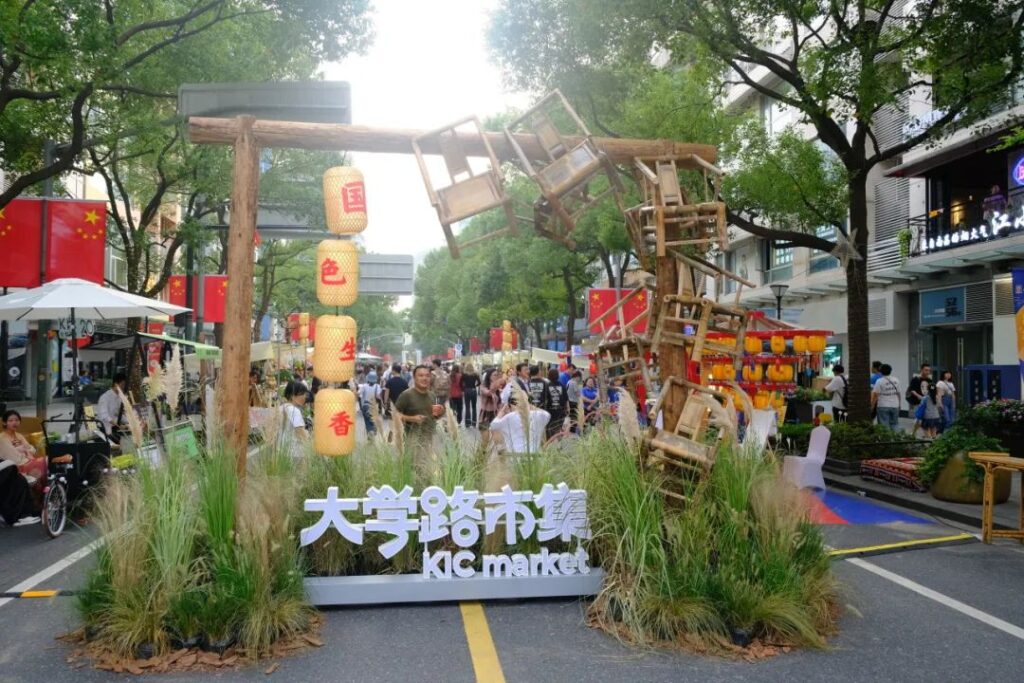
[83, 300]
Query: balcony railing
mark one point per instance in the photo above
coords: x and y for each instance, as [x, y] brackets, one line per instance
[965, 223]
[884, 254]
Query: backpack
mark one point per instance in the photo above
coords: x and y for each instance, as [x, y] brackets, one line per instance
[442, 382]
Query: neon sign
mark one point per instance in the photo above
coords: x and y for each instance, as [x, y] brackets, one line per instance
[999, 225]
[1018, 172]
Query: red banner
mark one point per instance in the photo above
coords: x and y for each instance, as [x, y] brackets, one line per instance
[475, 345]
[600, 300]
[215, 291]
[76, 240]
[495, 339]
[293, 327]
[20, 230]
[176, 291]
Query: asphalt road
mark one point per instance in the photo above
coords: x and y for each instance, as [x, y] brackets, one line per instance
[905, 621]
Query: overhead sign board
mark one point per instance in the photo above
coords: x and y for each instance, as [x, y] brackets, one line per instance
[390, 274]
[943, 306]
[309, 101]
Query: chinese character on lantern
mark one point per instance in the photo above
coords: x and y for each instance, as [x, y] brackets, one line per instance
[353, 197]
[341, 423]
[348, 351]
[329, 273]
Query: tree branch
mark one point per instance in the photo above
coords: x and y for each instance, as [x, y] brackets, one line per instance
[167, 23]
[800, 239]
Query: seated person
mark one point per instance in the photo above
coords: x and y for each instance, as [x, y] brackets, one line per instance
[16, 505]
[15, 448]
[110, 409]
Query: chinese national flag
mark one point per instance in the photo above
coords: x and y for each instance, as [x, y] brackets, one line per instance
[600, 300]
[76, 238]
[215, 291]
[20, 229]
[176, 290]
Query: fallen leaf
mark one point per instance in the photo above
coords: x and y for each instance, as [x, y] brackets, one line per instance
[188, 660]
[230, 661]
[272, 668]
[132, 669]
[312, 640]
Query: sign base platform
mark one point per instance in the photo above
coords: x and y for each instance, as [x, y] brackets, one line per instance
[327, 591]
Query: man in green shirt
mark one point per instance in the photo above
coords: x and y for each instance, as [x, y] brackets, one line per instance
[418, 408]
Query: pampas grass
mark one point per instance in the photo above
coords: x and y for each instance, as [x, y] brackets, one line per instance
[173, 380]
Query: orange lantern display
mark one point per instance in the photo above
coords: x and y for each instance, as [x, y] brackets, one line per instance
[778, 343]
[337, 267]
[345, 200]
[334, 356]
[762, 400]
[334, 422]
[816, 343]
[800, 343]
[752, 345]
[753, 374]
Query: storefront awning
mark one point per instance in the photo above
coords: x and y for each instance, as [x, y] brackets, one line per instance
[939, 156]
[204, 351]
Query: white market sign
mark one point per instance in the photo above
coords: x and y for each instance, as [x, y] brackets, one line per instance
[462, 518]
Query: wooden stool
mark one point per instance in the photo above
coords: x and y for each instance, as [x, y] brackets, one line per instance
[992, 462]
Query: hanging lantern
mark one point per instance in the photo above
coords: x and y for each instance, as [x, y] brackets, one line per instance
[752, 345]
[334, 356]
[800, 343]
[345, 200]
[728, 373]
[334, 422]
[816, 343]
[762, 400]
[337, 267]
[778, 344]
[786, 373]
[593, 368]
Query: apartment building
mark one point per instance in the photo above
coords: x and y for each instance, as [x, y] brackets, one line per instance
[946, 225]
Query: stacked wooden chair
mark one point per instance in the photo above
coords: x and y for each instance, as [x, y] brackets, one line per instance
[468, 191]
[566, 168]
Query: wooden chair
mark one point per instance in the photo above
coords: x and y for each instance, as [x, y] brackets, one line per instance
[570, 162]
[625, 359]
[685, 321]
[468, 192]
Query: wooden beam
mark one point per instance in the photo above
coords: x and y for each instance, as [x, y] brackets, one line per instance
[322, 136]
[234, 403]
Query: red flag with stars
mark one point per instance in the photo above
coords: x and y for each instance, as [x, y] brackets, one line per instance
[600, 300]
[20, 229]
[215, 292]
[76, 239]
[176, 291]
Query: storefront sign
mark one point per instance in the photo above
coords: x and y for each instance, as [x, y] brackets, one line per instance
[999, 225]
[943, 306]
[1018, 309]
[456, 519]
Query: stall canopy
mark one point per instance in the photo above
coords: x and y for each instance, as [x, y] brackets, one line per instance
[202, 351]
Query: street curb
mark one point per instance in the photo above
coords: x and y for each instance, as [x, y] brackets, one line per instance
[894, 499]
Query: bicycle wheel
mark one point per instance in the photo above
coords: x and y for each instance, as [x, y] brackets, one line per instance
[55, 509]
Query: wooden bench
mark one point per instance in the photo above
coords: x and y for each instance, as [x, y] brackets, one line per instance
[992, 462]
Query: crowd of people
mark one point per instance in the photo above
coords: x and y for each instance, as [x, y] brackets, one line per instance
[931, 402]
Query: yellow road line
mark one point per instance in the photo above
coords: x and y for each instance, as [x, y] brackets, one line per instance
[901, 544]
[38, 594]
[481, 647]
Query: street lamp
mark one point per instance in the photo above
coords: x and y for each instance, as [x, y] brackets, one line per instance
[779, 290]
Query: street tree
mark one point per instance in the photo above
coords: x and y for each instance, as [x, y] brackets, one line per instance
[66, 66]
[839, 64]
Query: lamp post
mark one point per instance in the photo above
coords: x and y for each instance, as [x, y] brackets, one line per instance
[779, 290]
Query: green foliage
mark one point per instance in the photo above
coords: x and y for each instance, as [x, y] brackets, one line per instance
[854, 441]
[958, 439]
[798, 434]
[740, 554]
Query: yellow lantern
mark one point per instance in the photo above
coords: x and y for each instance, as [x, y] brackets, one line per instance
[728, 373]
[778, 344]
[334, 422]
[800, 343]
[816, 343]
[787, 373]
[752, 345]
[762, 400]
[337, 267]
[334, 355]
[753, 374]
[345, 200]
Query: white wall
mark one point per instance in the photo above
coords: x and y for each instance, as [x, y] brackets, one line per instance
[893, 348]
[1004, 340]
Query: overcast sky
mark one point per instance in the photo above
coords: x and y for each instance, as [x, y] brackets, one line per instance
[428, 66]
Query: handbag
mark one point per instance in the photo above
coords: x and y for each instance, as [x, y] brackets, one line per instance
[919, 412]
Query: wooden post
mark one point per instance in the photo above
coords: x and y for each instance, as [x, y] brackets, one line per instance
[323, 136]
[671, 359]
[234, 377]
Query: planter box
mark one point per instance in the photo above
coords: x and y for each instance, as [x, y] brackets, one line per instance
[951, 487]
[844, 468]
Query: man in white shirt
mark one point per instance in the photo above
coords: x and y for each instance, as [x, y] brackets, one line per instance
[885, 398]
[837, 387]
[369, 392]
[510, 425]
[110, 410]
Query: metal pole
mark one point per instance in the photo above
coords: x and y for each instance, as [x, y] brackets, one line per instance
[3, 357]
[778, 308]
[190, 266]
[41, 349]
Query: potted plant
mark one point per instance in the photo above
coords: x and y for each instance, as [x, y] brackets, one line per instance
[851, 442]
[1002, 419]
[903, 237]
[955, 478]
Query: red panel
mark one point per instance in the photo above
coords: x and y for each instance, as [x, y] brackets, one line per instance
[176, 290]
[215, 289]
[76, 240]
[20, 230]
